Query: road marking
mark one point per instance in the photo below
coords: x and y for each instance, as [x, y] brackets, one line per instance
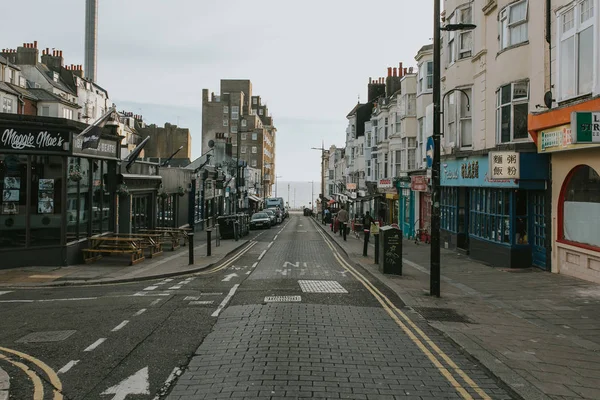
[275, 238]
[201, 302]
[230, 261]
[291, 264]
[261, 255]
[254, 265]
[225, 301]
[120, 326]
[229, 277]
[269, 245]
[95, 344]
[210, 294]
[151, 287]
[4, 384]
[137, 383]
[321, 287]
[282, 299]
[155, 302]
[140, 312]
[394, 312]
[17, 301]
[52, 376]
[5, 292]
[49, 300]
[175, 287]
[68, 366]
[191, 298]
[38, 387]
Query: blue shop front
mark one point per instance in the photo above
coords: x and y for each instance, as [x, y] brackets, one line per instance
[406, 205]
[493, 207]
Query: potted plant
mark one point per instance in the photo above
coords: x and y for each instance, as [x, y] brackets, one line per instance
[181, 190]
[162, 194]
[75, 174]
[122, 190]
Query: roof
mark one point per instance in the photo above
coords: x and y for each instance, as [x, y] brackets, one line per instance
[47, 73]
[5, 61]
[44, 95]
[354, 109]
[22, 91]
[6, 88]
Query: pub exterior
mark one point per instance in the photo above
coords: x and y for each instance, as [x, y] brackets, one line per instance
[55, 195]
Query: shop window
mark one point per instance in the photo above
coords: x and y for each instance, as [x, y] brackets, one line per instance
[100, 198]
[47, 182]
[78, 199]
[490, 214]
[15, 188]
[166, 211]
[141, 212]
[521, 217]
[580, 203]
[448, 206]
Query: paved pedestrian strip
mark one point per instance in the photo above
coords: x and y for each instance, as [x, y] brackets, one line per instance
[321, 287]
[295, 350]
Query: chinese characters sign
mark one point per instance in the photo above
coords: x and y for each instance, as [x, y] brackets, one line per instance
[504, 165]
[470, 170]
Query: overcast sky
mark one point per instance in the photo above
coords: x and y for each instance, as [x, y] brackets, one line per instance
[309, 60]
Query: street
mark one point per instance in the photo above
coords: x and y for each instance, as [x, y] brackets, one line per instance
[286, 316]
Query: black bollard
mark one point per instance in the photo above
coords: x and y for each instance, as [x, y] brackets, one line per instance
[208, 242]
[376, 249]
[191, 247]
[366, 245]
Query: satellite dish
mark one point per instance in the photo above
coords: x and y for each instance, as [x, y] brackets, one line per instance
[548, 99]
[211, 143]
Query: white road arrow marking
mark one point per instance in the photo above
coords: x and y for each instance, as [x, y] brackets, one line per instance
[229, 277]
[136, 384]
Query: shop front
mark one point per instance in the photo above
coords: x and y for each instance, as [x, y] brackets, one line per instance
[492, 207]
[571, 136]
[419, 184]
[55, 195]
[386, 206]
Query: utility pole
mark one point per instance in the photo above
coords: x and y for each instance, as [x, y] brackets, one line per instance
[312, 199]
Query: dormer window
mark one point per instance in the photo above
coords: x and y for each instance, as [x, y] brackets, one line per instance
[55, 76]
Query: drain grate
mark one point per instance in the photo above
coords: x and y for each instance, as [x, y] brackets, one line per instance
[321, 287]
[48, 336]
[282, 299]
[442, 315]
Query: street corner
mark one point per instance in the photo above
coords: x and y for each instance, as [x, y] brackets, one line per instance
[24, 376]
[30, 277]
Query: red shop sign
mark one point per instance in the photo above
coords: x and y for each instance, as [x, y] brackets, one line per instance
[418, 183]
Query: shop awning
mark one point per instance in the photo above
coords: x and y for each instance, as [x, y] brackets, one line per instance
[136, 176]
[254, 198]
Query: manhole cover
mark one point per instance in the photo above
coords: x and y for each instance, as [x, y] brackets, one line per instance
[282, 299]
[441, 314]
[49, 336]
[321, 287]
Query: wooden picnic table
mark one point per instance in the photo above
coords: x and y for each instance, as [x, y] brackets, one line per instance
[114, 245]
[150, 241]
[172, 236]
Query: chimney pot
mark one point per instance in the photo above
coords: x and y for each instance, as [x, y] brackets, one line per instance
[47, 50]
[369, 80]
[35, 44]
[405, 71]
[395, 72]
[24, 44]
[389, 71]
[410, 70]
[61, 53]
[400, 65]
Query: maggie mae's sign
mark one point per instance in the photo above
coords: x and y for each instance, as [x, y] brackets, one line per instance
[44, 140]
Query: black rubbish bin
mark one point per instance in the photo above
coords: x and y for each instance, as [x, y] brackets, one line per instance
[226, 226]
[390, 250]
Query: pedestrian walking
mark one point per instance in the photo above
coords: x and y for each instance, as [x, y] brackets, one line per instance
[343, 218]
[367, 221]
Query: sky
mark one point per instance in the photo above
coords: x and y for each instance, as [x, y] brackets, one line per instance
[309, 60]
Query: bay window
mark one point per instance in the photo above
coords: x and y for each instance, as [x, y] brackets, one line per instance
[576, 49]
[512, 107]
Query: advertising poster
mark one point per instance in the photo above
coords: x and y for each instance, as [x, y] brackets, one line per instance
[12, 183]
[10, 195]
[46, 184]
[10, 208]
[46, 206]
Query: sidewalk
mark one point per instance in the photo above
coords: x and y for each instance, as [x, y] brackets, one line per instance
[539, 332]
[116, 270]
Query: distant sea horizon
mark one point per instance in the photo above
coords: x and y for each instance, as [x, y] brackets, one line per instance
[297, 193]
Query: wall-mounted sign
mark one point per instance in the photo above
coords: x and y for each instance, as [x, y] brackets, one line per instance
[560, 138]
[25, 140]
[586, 126]
[106, 148]
[504, 165]
[350, 186]
[418, 183]
[472, 171]
[384, 183]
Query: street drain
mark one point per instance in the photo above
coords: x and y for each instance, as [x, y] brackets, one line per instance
[282, 299]
[48, 336]
[441, 314]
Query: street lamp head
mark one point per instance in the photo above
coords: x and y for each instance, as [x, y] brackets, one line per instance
[458, 27]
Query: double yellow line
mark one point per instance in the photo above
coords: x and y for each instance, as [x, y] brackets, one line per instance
[227, 263]
[420, 339]
[38, 386]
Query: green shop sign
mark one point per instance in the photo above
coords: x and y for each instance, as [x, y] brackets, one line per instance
[586, 127]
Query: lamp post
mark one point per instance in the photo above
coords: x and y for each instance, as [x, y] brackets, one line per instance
[435, 274]
[322, 149]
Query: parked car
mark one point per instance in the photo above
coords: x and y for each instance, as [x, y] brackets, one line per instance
[271, 215]
[260, 220]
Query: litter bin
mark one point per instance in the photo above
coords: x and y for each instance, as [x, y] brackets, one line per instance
[226, 226]
[390, 250]
[242, 224]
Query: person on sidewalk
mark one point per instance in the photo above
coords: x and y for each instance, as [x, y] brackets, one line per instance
[367, 221]
[343, 217]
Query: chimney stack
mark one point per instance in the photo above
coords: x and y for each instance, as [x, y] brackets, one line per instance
[369, 80]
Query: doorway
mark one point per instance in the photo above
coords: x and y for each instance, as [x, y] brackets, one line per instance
[538, 230]
[462, 228]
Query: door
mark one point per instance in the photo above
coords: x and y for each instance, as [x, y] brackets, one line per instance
[538, 230]
[463, 219]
